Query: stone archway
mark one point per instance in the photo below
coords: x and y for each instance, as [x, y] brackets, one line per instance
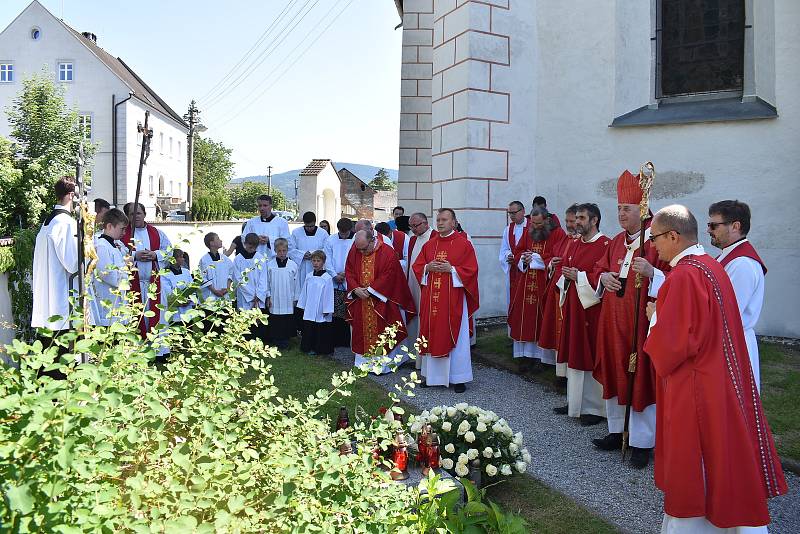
[329, 206]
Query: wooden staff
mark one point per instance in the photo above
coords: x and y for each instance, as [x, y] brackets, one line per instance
[647, 174]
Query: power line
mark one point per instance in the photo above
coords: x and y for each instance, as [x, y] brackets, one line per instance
[270, 86]
[247, 54]
[265, 54]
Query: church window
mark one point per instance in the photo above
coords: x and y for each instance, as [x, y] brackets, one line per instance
[65, 72]
[6, 72]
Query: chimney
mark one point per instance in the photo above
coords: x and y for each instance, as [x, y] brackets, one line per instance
[89, 35]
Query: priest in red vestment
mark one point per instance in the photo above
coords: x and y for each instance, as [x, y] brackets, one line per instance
[615, 276]
[581, 310]
[533, 253]
[447, 270]
[378, 296]
[715, 457]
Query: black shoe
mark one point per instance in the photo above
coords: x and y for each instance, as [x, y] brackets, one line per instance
[460, 388]
[424, 384]
[612, 442]
[561, 410]
[640, 457]
[590, 420]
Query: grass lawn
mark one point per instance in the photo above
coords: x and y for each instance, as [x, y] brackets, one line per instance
[300, 375]
[780, 383]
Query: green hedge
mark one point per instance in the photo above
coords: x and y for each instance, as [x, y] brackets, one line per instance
[211, 207]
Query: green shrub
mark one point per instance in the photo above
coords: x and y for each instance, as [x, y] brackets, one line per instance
[211, 207]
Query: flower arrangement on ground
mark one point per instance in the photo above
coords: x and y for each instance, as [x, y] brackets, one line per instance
[472, 435]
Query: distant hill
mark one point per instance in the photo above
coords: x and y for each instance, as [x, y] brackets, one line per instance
[285, 180]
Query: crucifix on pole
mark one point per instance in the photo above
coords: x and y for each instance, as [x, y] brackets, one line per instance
[147, 135]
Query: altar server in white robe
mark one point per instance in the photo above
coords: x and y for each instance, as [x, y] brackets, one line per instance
[111, 274]
[267, 226]
[217, 269]
[151, 249]
[281, 295]
[728, 226]
[337, 246]
[55, 261]
[303, 242]
[177, 280]
[316, 301]
[420, 234]
[249, 273]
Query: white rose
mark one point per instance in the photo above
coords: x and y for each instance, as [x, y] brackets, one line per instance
[432, 419]
[472, 410]
[447, 463]
[481, 427]
[472, 454]
[521, 467]
[497, 453]
[425, 414]
[416, 427]
[461, 406]
[491, 470]
[451, 412]
[507, 431]
[506, 470]
[462, 470]
[526, 456]
[518, 438]
[487, 452]
[436, 410]
[450, 448]
[447, 426]
[512, 448]
[503, 422]
[463, 427]
[497, 429]
[469, 437]
[462, 458]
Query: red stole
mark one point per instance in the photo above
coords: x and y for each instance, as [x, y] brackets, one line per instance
[411, 243]
[398, 242]
[441, 304]
[516, 248]
[152, 305]
[744, 250]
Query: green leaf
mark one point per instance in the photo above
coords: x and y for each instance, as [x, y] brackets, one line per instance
[235, 503]
[20, 498]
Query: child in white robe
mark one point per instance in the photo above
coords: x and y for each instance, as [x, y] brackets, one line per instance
[217, 269]
[111, 273]
[302, 243]
[249, 273]
[281, 295]
[316, 301]
[175, 286]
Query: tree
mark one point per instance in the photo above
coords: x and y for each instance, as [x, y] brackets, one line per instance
[213, 167]
[244, 197]
[382, 182]
[47, 135]
[10, 178]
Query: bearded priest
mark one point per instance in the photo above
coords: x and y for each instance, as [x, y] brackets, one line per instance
[447, 271]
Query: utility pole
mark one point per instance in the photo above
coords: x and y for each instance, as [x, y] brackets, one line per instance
[193, 118]
[269, 180]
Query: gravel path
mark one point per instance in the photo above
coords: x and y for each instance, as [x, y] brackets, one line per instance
[563, 456]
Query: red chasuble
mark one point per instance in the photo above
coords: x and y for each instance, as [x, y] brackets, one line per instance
[398, 242]
[381, 271]
[516, 249]
[526, 305]
[441, 304]
[551, 313]
[615, 332]
[715, 456]
[578, 337]
[152, 305]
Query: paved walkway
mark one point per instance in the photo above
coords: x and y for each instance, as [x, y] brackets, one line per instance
[563, 456]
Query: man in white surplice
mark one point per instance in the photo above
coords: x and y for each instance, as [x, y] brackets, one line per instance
[55, 261]
[267, 226]
[728, 226]
[337, 246]
[303, 242]
[420, 234]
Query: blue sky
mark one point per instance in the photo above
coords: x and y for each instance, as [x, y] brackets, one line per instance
[340, 100]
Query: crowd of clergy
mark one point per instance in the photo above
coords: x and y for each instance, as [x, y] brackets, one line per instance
[647, 332]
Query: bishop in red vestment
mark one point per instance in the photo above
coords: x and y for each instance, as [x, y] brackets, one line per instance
[378, 296]
[615, 278]
[581, 311]
[525, 312]
[447, 270]
[715, 457]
